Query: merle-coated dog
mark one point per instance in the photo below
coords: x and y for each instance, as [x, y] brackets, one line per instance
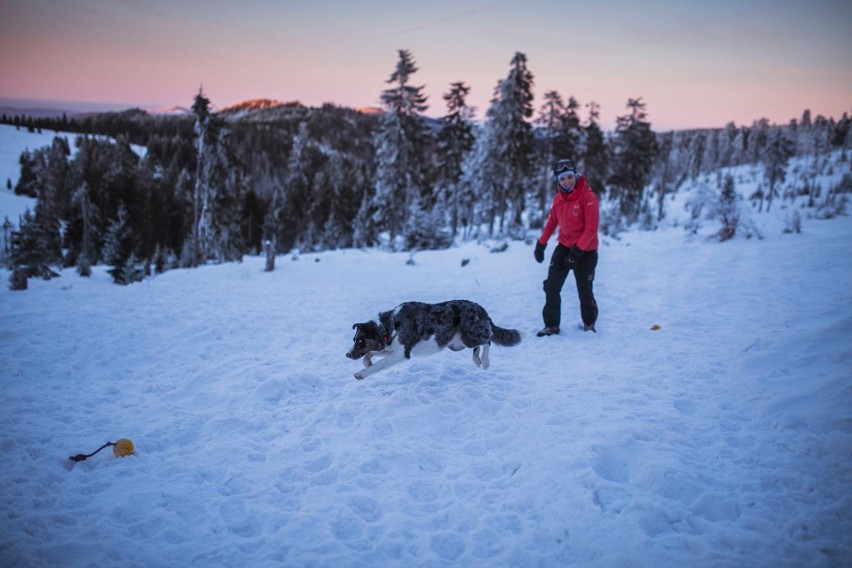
[455, 324]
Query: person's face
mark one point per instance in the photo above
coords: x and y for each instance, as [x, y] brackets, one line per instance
[567, 181]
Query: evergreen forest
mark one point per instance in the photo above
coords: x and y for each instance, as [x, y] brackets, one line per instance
[144, 193]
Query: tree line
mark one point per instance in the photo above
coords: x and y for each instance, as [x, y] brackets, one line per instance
[146, 193]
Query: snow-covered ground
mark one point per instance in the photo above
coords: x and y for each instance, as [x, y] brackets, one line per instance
[722, 439]
[12, 142]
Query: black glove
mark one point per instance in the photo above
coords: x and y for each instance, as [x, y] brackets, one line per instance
[539, 252]
[573, 256]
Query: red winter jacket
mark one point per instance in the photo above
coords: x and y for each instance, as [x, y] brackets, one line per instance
[577, 215]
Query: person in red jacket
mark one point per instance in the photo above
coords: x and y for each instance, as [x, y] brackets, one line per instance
[575, 211]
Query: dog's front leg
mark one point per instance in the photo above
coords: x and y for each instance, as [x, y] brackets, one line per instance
[393, 357]
[368, 358]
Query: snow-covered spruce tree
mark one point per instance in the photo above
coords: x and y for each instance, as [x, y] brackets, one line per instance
[454, 142]
[365, 231]
[33, 255]
[664, 174]
[560, 126]
[695, 152]
[119, 246]
[728, 210]
[473, 197]
[635, 149]
[738, 147]
[201, 110]
[726, 145]
[710, 158]
[7, 230]
[27, 181]
[400, 142]
[346, 187]
[296, 194]
[596, 153]
[319, 206]
[510, 145]
[778, 152]
[758, 138]
[218, 190]
[560, 135]
[88, 215]
[426, 230]
[272, 219]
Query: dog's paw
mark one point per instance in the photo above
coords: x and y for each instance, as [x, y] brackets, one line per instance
[359, 376]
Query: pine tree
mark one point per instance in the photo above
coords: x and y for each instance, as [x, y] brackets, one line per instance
[561, 127]
[119, 247]
[33, 255]
[510, 145]
[89, 216]
[665, 174]
[474, 186]
[726, 145]
[365, 232]
[560, 133]
[635, 151]
[218, 197]
[596, 155]
[758, 138]
[345, 189]
[400, 149]
[778, 153]
[201, 111]
[7, 229]
[27, 181]
[454, 143]
[728, 210]
[292, 203]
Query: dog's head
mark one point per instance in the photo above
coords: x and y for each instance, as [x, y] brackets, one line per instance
[367, 338]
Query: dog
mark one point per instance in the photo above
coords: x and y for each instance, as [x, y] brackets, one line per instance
[455, 324]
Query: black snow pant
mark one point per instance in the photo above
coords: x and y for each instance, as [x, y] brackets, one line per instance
[584, 274]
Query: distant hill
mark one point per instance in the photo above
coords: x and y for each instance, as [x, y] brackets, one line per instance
[36, 112]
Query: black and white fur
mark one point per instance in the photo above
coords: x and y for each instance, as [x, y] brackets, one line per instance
[455, 324]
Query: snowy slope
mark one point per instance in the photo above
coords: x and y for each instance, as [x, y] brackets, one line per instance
[723, 439]
[12, 142]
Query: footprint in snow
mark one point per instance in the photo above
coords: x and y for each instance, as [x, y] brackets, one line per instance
[610, 464]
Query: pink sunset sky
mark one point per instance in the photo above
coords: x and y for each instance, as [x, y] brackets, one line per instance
[695, 64]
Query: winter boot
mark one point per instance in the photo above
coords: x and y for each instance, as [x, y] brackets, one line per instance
[548, 331]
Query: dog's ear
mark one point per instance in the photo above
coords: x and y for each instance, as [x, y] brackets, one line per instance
[355, 325]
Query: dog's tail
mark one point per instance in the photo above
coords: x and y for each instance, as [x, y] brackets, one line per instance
[504, 337]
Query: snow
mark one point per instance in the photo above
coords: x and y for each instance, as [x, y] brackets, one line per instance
[12, 142]
[723, 439]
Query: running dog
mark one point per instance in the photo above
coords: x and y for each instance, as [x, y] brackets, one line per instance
[455, 324]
